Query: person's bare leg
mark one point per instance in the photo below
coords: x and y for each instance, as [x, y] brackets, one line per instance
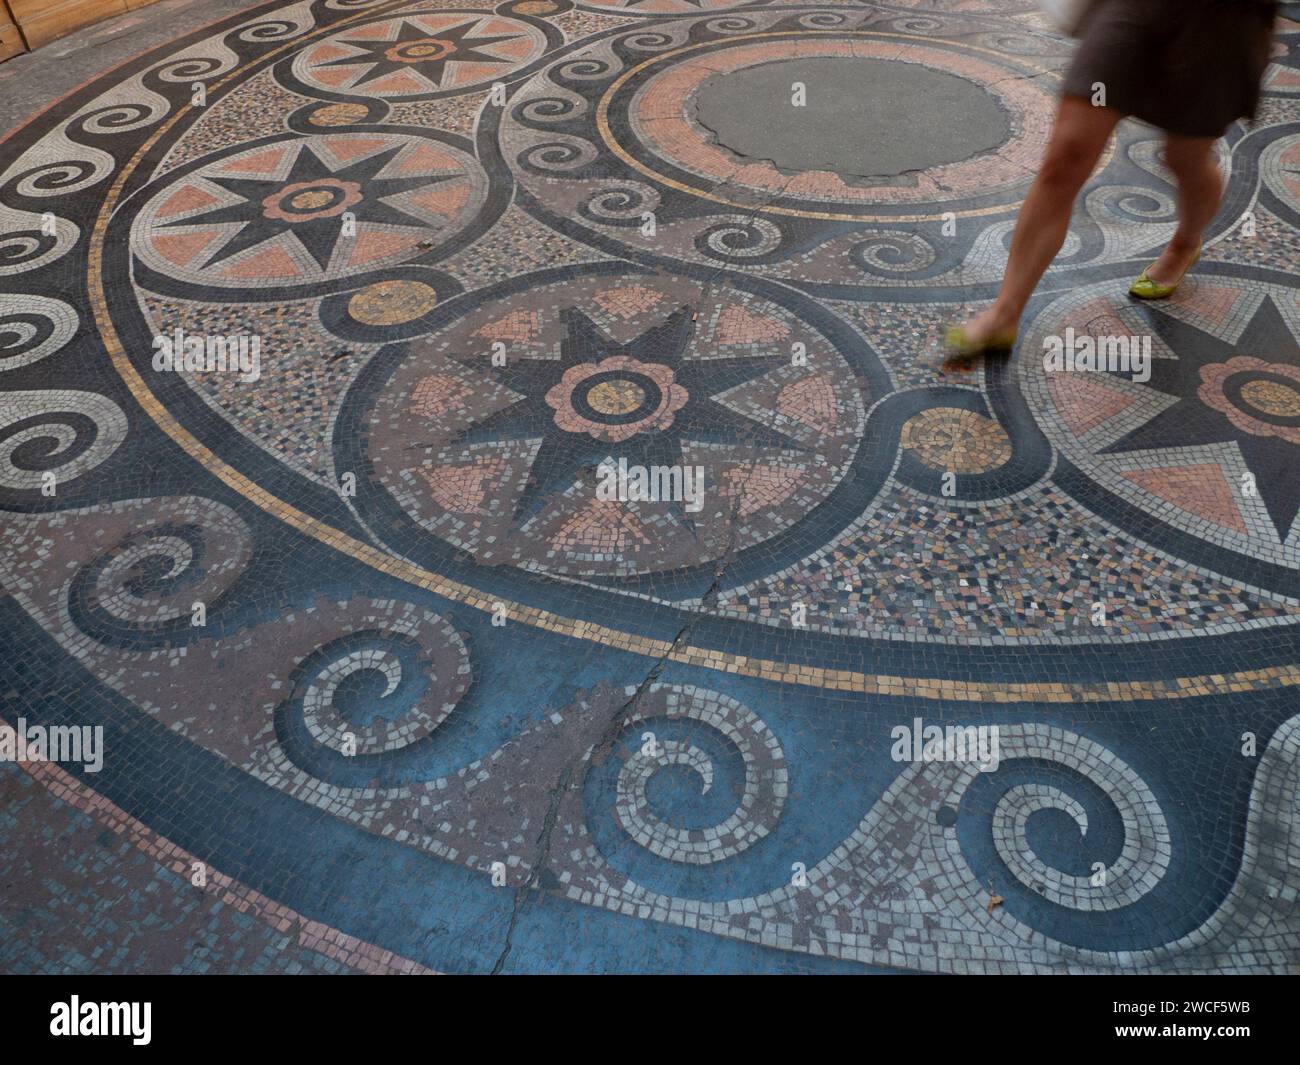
[1200, 190]
[1078, 138]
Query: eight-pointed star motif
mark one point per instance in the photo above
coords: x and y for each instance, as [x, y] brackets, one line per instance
[640, 400]
[422, 51]
[1247, 393]
[309, 204]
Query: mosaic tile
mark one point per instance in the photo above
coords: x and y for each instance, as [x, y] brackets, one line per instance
[462, 515]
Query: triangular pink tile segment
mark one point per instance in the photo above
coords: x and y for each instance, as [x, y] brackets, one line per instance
[1201, 490]
[1083, 404]
[275, 262]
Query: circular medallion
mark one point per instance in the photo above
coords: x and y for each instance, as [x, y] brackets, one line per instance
[1159, 407]
[956, 440]
[748, 113]
[610, 425]
[297, 210]
[392, 302]
[418, 54]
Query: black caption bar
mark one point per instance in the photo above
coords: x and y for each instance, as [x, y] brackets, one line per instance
[142, 1014]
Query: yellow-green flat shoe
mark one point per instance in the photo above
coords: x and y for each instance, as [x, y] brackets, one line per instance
[1146, 289]
[960, 346]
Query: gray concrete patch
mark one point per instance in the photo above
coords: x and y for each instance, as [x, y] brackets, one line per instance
[33, 80]
[863, 117]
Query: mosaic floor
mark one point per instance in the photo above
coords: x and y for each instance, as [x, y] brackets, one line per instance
[387, 683]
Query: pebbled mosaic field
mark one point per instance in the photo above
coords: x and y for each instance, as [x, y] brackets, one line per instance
[386, 685]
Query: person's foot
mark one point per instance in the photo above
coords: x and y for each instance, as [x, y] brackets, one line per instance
[1173, 263]
[991, 328]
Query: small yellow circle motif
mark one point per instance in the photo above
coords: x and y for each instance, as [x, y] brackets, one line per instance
[392, 302]
[311, 199]
[616, 397]
[956, 440]
[417, 51]
[1272, 397]
[338, 114]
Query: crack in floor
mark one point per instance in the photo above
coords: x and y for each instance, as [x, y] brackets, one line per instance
[613, 728]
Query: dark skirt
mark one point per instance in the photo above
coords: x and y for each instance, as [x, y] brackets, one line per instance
[1191, 67]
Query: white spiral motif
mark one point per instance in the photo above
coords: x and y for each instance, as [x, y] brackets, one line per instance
[25, 245]
[988, 254]
[290, 22]
[918, 25]
[559, 105]
[892, 252]
[765, 786]
[124, 108]
[1139, 204]
[56, 166]
[1018, 43]
[325, 724]
[822, 20]
[627, 201]
[567, 153]
[424, 668]
[63, 433]
[657, 40]
[1146, 850]
[202, 62]
[731, 24]
[587, 65]
[23, 341]
[119, 600]
[188, 549]
[739, 236]
[56, 179]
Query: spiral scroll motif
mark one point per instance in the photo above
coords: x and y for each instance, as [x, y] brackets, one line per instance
[377, 690]
[61, 435]
[762, 796]
[1082, 771]
[32, 327]
[148, 581]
